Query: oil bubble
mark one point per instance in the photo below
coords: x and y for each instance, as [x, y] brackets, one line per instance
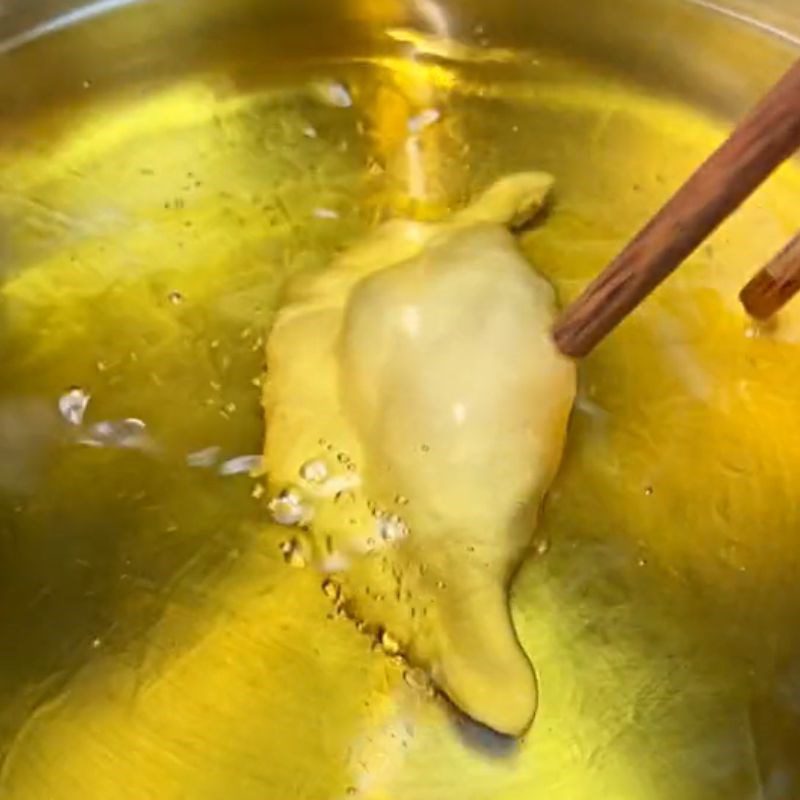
[314, 471]
[334, 93]
[73, 405]
[288, 508]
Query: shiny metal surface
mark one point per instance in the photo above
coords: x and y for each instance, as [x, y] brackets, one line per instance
[164, 167]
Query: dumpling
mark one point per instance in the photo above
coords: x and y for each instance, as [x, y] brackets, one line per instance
[416, 410]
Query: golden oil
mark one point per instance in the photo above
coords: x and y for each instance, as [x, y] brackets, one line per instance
[155, 642]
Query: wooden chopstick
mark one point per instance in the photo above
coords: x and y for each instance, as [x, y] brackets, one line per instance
[760, 143]
[775, 284]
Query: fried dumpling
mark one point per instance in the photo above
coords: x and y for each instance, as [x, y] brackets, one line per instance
[416, 410]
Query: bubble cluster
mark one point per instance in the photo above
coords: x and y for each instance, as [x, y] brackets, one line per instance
[390, 527]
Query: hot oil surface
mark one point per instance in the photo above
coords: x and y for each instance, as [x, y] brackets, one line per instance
[158, 642]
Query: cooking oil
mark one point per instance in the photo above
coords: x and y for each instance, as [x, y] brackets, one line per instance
[164, 638]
